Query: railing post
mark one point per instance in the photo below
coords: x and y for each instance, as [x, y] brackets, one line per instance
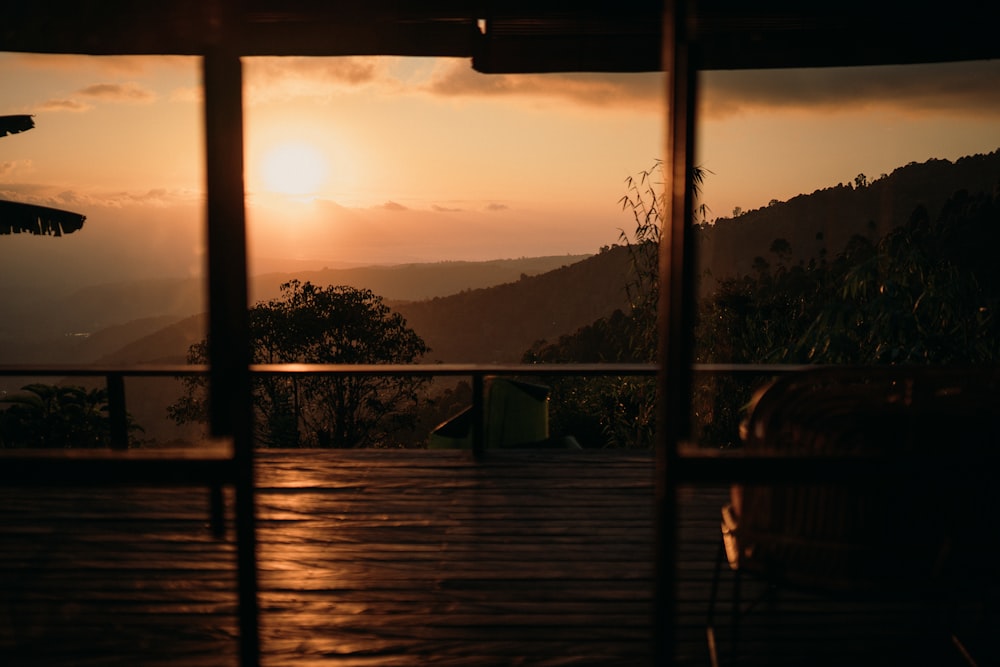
[478, 415]
[117, 414]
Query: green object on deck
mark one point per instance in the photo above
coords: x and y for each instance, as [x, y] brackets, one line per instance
[516, 414]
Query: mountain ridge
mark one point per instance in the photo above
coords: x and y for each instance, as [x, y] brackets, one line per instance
[499, 322]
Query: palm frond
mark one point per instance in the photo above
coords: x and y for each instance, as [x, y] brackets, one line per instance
[15, 124]
[17, 218]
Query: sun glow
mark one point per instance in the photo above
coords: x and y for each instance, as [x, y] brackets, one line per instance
[294, 169]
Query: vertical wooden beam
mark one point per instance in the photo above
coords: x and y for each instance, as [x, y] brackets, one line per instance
[117, 412]
[229, 331]
[478, 415]
[676, 320]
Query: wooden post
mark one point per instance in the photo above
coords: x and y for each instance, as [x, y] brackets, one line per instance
[478, 415]
[117, 414]
[231, 412]
[675, 310]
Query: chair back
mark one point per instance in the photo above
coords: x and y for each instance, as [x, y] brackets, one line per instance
[918, 524]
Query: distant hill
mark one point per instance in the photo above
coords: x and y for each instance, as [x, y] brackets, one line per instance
[494, 311]
[55, 330]
[413, 282]
[498, 324]
[825, 220]
[490, 324]
[116, 338]
[166, 345]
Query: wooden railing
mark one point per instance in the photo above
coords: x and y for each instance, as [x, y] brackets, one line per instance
[114, 377]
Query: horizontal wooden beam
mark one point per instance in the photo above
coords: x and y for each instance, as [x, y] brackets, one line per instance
[516, 36]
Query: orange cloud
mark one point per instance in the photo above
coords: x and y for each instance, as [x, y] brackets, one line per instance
[190, 94]
[11, 167]
[157, 198]
[130, 65]
[64, 105]
[967, 88]
[277, 78]
[118, 92]
[644, 91]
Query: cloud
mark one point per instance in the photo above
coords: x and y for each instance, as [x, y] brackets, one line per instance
[118, 92]
[120, 65]
[64, 105]
[46, 196]
[273, 78]
[191, 94]
[11, 167]
[497, 207]
[278, 78]
[456, 78]
[445, 209]
[104, 92]
[158, 198]
[963, 88]
[392, 206]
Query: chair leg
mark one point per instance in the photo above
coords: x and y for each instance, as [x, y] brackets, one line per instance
[713, 654]
[963, 652]
[737, 614]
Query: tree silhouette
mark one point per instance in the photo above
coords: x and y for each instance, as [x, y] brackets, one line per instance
[18, 218]
[782, 248]
[324, 325]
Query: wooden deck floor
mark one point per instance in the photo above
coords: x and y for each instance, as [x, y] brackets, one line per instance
[380, 558]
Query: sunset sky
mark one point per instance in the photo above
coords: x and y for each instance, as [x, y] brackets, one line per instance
[390, 160]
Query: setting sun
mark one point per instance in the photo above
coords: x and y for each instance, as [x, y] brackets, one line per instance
[294, 169]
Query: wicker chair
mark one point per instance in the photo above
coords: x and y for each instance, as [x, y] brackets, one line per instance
[916, 532]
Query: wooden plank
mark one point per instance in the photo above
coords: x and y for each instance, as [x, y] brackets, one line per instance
[397, 558]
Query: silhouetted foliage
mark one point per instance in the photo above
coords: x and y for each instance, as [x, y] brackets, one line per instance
[926, 292]
[323, 325]
[782, 248]
[616, 411]
[601, 411]
[53, 416]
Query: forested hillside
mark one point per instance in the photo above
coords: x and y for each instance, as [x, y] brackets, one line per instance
[498, 324]
[820, 224]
